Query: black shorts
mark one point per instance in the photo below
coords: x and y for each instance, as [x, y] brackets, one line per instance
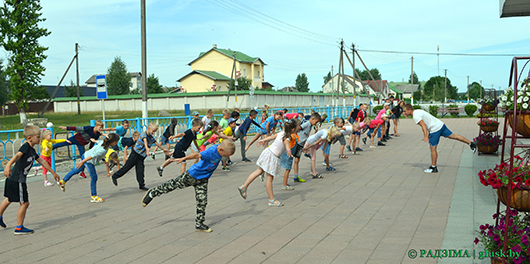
[341, 140]
[178, 153]
[16, 191]
[299, 148]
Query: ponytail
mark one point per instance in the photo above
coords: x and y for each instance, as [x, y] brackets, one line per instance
[213, 124]
[111, 138]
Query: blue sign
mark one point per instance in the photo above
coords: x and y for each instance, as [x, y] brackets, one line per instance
[101, 84]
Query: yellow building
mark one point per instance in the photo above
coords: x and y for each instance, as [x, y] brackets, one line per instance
[211, 71]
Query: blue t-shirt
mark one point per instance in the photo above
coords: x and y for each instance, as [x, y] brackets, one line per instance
[190, 120]
[139, 147]
[203, 169]
[272, 124]
[120, 131]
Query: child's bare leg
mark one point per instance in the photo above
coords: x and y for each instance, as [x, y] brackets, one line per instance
[326, 159]
[254, 139]
[286, 177]
[372, 139]
[253, 176]
[182, 167]
[268, 186]
[167, 162]
[342, 149]
[313, 166]
[22, 213]
[295, 165]
[395, 127]
[3, 206]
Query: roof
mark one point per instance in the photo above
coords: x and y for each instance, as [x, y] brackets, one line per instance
[408, 88]
[240, 56]
[374, 86]
[393, 88]
[92, 78]
[87, 91]
[210, 74]
[511, 8]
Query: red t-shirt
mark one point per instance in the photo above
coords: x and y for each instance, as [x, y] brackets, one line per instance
[375, 122]
[360, 116]
[291, 115]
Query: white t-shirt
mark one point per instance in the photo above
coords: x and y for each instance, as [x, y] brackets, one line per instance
[348, 130]
[433, 124]
[323, 134]
[277, 147]
[205, 121]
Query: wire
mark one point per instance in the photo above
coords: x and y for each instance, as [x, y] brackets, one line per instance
[446, 53]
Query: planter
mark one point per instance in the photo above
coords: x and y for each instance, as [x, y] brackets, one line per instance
[489, 128]
[497, 260]
[487, 149]
[519, 200]
[523, 122]
[489, 107]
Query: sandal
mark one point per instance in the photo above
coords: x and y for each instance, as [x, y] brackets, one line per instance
[330, 169]
[343, 157]
[275, 202]
[317, 176]
[243, 191]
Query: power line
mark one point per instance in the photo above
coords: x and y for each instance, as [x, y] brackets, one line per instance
[446, 53]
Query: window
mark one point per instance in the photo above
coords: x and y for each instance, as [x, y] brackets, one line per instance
[245, 73]
[259, 74]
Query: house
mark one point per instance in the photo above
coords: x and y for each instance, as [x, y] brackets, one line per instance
[395, 92]
[135, 83]
[349, 83]
[85, 90]
[380, 87]
[210, 70]
[408, 90]
[288, 89]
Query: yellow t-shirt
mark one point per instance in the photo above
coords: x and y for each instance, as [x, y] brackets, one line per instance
[107, 156]
[227, 132]
[47, 146]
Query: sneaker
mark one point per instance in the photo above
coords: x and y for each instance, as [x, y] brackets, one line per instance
[2, 224]
[203, 228]
[96, 199]
[261, 177]
[373, 147]
[431, 169]
[307, 155]
[348, 148]
[380, 143]
[23, 231]
[147, 198]
[287, 187]
[226, 168]
[61, 184]
[473, 147]
[48, 184]
[152, 155]
[298, 179]
[160, 170]
[143, 188]
[111, 165]
[114, 180]
[383, 140]
[246, 160]
[82, 175]
[389, 137]
[364, 141]
[230, 163]
[358, 149]
[36, 169]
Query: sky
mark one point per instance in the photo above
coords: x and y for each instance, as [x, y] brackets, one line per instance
[291, 37]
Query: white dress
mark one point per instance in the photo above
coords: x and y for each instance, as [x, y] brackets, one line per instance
[269, 160]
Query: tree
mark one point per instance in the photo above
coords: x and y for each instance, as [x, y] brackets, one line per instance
[118, 81]
[475, 91]
[415, 77]
[437, 83]
[4, 85]
[243, 84]
[20, 33]
[301, 84]
[153, 86]
[365, 76]
[71, 90]
[327, 78]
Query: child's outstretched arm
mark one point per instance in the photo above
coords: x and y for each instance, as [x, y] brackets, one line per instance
[125, 154]
[267, 139]
[193, 156]
[314, 144]
[47, 166]
[287, 147]
[108, 171]
[83, 162]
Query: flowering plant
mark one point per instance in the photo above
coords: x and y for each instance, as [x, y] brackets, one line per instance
[484, 115]
[499, 176]
[487, 122]
[489, 101]
[518, 230]
[487, 139]
[523, 98]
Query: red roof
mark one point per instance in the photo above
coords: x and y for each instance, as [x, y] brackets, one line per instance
[373, 85]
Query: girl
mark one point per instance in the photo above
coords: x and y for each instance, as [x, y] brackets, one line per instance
[212, 128]
[46, 154]
[267, 128]
[93, 155]
[168, 135]
[269, 160]
[396, 113]
[315, 141]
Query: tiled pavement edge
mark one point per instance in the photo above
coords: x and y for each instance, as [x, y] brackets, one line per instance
[373, 209]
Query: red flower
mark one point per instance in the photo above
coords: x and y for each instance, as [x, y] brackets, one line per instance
[527, 182]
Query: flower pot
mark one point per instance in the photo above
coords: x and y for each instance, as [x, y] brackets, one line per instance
[523, 122]
[489, 107]
[489, 128]
[520, 198]
[487, 149]
[497, 261]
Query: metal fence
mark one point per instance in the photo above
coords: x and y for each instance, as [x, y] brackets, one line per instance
[11, 141]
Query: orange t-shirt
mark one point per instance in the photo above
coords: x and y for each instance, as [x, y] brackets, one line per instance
[294, 139]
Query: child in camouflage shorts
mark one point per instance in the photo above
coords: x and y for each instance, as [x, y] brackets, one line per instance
[197, 176]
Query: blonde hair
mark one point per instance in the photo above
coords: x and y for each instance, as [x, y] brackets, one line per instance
[43, 133]
[99, 123]
[153, 125]
[226, 112]
[136, 134]
[356, 125]
[367, 121]
[31, 131]
[228, 146]
[332, 133]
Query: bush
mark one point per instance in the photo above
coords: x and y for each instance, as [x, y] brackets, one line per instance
[417, 107]
[453, 106]
[470, 109]
[433, 110]
[377, 109]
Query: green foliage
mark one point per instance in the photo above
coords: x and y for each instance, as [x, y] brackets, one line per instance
[453, 106]
[153, 85]
[475, 91]
[118, 81]
[365, 76]
[415, 78]
[302, 84]
[4, 85]
[417, 107]
[327, 78]
[20, 35]
[470, 109]
[71, 90]
[377, 109]
[416, 96]
[243, 84]
[437, 83]
[433, 110]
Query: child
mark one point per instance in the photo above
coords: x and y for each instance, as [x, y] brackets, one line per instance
[166, 137]
[138, 155]
[94, 155]
[375, 125]
[228, 131]
[317, 140]
[223, 124]
[287, 162]
[195, 115]
[187, 138]
[207, 118]
[197, 176]
[111, 159]
[15, 189]
[125, 143]
[267, 128]
[322, 120]
[241, 132]
[121, 130]
[211, 129]
[46, 154]
[264, 114]
[303, 134]
[269, 161]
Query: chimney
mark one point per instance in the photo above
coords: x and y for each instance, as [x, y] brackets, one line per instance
[215, 46]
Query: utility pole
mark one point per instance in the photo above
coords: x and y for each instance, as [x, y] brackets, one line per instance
[438, 54]
[144, 61]
[445, 87]
[480, 89]
[412, 75]
[468, 88]
[77, 78]
[353, 66]
[332, 87]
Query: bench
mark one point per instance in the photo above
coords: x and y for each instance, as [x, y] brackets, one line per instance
[451, 110]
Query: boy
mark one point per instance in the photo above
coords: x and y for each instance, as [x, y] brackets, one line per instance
[241, 133]
[267, 128]
[15, 189]
[121, 130]
[303, 134]
[138, 155]
[207, 118]
[224, 121]
[195, 115]
[125, 143]
[229, 131]
[433, 128]
[197, 176]
[184, 143]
